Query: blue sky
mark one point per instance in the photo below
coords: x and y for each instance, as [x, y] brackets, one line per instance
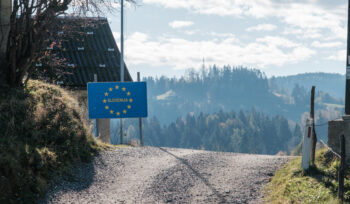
[279, 37]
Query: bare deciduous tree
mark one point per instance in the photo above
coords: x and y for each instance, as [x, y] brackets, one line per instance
[29, 28]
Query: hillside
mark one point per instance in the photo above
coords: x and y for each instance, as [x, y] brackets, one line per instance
[228, 88]
[333, 84]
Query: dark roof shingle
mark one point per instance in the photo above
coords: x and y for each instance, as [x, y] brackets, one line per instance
[90, 49]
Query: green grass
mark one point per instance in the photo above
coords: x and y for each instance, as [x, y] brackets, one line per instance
[319, 184]
[42, 133]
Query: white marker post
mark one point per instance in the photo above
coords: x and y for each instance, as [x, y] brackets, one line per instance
[305, 162]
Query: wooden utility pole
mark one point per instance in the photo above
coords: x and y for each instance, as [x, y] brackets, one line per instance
[312, 116]
[347, 90]
[140, 119]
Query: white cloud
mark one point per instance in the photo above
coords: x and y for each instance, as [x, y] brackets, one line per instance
[226, 35]
[303, 33]
[180, 24]
[116, 36]
[116, 5]
[326, 45]
[339, 56]
[190, 32]
[216, 7]
[305, 15]
[181, 53]
[277, 41]
[262, 27]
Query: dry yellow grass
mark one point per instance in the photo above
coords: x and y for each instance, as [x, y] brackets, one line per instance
[42, 132]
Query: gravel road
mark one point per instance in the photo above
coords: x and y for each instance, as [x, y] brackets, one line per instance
[167, 175]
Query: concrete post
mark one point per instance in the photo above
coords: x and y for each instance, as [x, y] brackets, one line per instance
[335, 129]
[102, 126]
[104, 130]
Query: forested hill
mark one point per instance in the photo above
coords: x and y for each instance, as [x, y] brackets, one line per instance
[334, 84]
[214, 89]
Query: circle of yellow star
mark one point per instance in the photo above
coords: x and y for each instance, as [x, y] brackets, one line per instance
[106, 100]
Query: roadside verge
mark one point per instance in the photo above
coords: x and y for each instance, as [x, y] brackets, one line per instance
[319, 184]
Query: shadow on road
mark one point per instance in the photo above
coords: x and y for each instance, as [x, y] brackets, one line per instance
[196, 173]
[78, 178]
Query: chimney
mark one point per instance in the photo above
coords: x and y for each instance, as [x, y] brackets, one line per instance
[5, 14]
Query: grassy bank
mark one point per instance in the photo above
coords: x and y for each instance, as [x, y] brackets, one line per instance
[318, 185]
[41, 132]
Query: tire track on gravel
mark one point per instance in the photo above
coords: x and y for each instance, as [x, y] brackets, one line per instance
[215, 177]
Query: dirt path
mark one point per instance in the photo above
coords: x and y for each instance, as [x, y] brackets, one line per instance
[167, 175]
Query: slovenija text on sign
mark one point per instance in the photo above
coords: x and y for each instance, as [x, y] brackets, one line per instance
[117, 100]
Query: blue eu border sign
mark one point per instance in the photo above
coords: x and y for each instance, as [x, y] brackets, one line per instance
[117, 100]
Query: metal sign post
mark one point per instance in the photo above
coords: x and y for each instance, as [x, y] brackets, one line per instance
[140, 119]
[121, 60]
[96, 120]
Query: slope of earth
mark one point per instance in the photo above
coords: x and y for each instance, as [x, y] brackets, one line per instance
[167, 175]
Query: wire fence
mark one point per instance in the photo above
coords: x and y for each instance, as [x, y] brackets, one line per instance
[330, 149]
[325, 123]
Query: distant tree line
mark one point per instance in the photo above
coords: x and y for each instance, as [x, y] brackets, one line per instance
[245, 132]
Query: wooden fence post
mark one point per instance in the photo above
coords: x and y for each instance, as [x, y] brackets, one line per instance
[312, 116]
[341, 169]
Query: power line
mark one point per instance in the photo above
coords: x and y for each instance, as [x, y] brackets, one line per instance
[322, 124]
[326, 123]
